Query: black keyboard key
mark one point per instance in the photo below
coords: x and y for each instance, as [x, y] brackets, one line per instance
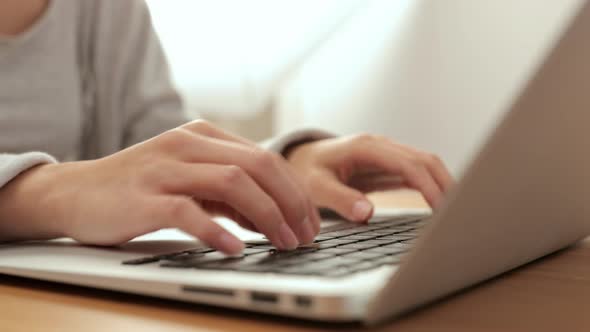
[330, 263]
[385, 250]
[321, 245]
[403, 244]
[263, 246]
[359, 245]
[201, 250]
[257, 242]
[176, 265]
[342, 240]
[372, 233]
[385, 231]
[364, 265]
[395, 238]
[316, 256]
[251, 251]
[304, 270]
[142, 260]
[338, 251]
[412, 232]
[398, 246]
[421, 222]
[381, 242]
[401, 229]
[339, 271]
[196, 252]
[233, 263]
[259, 268]
[338, 234]
[196, 260]
[359, 237]
[392, 238]
[281, 258]
[321, 238]
[388, 260]
[183, 257]
[156, 258]
[296, 252]
[364, 255]
[293, 261]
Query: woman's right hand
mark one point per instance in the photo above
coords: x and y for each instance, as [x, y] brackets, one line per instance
[178, 179]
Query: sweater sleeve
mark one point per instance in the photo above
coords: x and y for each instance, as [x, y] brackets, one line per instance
[11, 165]
[281, 143]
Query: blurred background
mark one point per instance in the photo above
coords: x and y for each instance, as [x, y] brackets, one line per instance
[433, 74]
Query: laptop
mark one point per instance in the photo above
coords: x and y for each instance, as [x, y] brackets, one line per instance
[524, 196]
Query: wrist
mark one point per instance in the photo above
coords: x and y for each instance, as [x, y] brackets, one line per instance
[27, 208]
[289, 151]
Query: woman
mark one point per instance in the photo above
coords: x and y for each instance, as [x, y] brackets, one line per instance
[86, 83]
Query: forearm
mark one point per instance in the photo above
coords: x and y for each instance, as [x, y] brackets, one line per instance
[22, 199]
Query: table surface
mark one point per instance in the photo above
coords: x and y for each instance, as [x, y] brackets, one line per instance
[551, 294]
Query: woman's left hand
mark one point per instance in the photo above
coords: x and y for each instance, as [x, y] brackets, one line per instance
[339, 171]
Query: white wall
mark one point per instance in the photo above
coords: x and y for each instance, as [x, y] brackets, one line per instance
[435, 74]
[228, 56]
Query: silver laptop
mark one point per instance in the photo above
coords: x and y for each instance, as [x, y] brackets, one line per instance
[527, 194]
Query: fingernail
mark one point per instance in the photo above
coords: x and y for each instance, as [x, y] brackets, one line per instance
[230, 244]
[287, 237]
[362, 210]
[308, 231]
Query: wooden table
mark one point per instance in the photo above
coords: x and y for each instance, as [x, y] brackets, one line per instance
[552, 294]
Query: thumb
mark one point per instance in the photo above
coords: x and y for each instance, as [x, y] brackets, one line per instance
[348, 202]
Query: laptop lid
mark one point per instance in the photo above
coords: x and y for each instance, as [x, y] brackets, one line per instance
[527, 193]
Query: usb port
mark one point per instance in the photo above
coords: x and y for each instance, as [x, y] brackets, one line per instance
[262, 297]
[303, 301]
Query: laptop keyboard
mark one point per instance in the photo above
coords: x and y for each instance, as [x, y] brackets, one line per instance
[337, 251]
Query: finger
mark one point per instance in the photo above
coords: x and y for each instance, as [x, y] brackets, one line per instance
[329, 192]
[234, 187]
[418, 177]
[394, 160]
[183, 213]
[376, 182]
[307, 229]
[312, 227]
[205, 128]
[220, 209]
[317, 220]
[435, 166]
[263, 167]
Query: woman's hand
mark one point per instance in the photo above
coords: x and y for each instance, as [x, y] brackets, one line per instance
[338, 171]
[178, 179]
